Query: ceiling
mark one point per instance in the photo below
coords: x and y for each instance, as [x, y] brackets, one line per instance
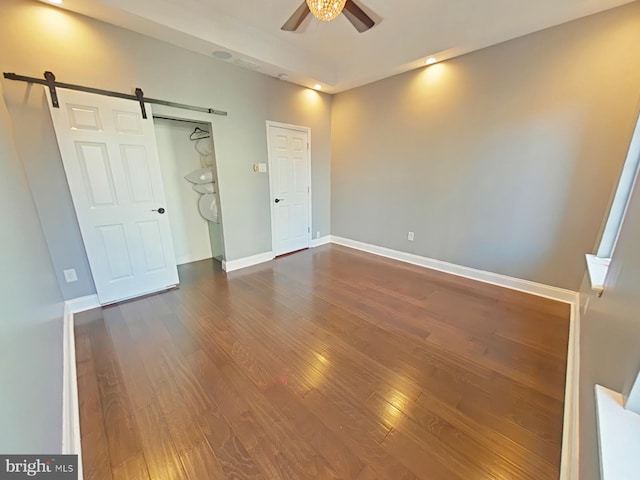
[334, 54]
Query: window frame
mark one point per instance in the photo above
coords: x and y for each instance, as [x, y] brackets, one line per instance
[621, 199]
[598, 264]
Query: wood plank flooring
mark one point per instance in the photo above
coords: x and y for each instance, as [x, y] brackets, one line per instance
[327, 364]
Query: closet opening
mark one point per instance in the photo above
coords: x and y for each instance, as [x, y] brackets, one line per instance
[190, 177]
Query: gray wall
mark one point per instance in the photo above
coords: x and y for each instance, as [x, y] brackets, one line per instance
[30, 317]
[610, 334]
[502, 160]
[36, 142]
[84, 51]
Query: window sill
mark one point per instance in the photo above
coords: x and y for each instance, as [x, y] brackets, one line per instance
[618, 436]
[597, 268]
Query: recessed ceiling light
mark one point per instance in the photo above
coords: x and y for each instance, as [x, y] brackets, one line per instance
[431, 61]
[284, 77]
[222, 55]
[317, 86]
[55, 2]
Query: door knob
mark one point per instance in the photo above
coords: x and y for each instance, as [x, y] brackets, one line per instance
[278, 200]
[159, 210]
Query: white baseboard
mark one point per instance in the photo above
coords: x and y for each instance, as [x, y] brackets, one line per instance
[539, 289]
[317, 242]
[82, 304]
[70, 406]
[232, 265]
[570, 460]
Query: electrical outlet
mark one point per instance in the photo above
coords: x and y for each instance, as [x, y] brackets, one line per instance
[317, 234]
[411, 236]
[70, 275]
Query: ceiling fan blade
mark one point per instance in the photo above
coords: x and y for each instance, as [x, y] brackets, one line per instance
[297, 18]
[357, 17]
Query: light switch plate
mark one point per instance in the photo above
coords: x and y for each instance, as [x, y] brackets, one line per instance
[262, 167]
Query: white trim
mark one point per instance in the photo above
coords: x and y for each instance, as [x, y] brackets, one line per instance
[618, 436]
[539, 289]
[296, 128]
[317, 242]
[82, 304]
[622, 197]
[217, 124]
[232, 265]
[597, 268]
[71, 444]
[570, 460]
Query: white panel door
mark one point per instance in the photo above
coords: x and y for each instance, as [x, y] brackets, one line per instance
[111, 160]
[290, 190]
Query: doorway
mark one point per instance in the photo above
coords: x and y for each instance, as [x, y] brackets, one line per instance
[185, 147]
[289, 149]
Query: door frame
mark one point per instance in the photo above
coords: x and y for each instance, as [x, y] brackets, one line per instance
[176, 113]
[297, 128]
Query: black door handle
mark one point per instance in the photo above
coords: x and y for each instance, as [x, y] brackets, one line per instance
[278, 200]
[160, 210]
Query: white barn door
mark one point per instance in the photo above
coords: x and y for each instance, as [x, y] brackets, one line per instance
[289, 165]
[110, 158]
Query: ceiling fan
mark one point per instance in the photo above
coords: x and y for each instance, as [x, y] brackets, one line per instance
[327, 11]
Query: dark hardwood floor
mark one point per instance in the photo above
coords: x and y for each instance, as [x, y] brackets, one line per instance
[328, 364]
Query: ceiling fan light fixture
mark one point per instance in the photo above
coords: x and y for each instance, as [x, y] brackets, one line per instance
[326, 10]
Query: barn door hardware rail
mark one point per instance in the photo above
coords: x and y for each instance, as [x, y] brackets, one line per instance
[50, 81]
